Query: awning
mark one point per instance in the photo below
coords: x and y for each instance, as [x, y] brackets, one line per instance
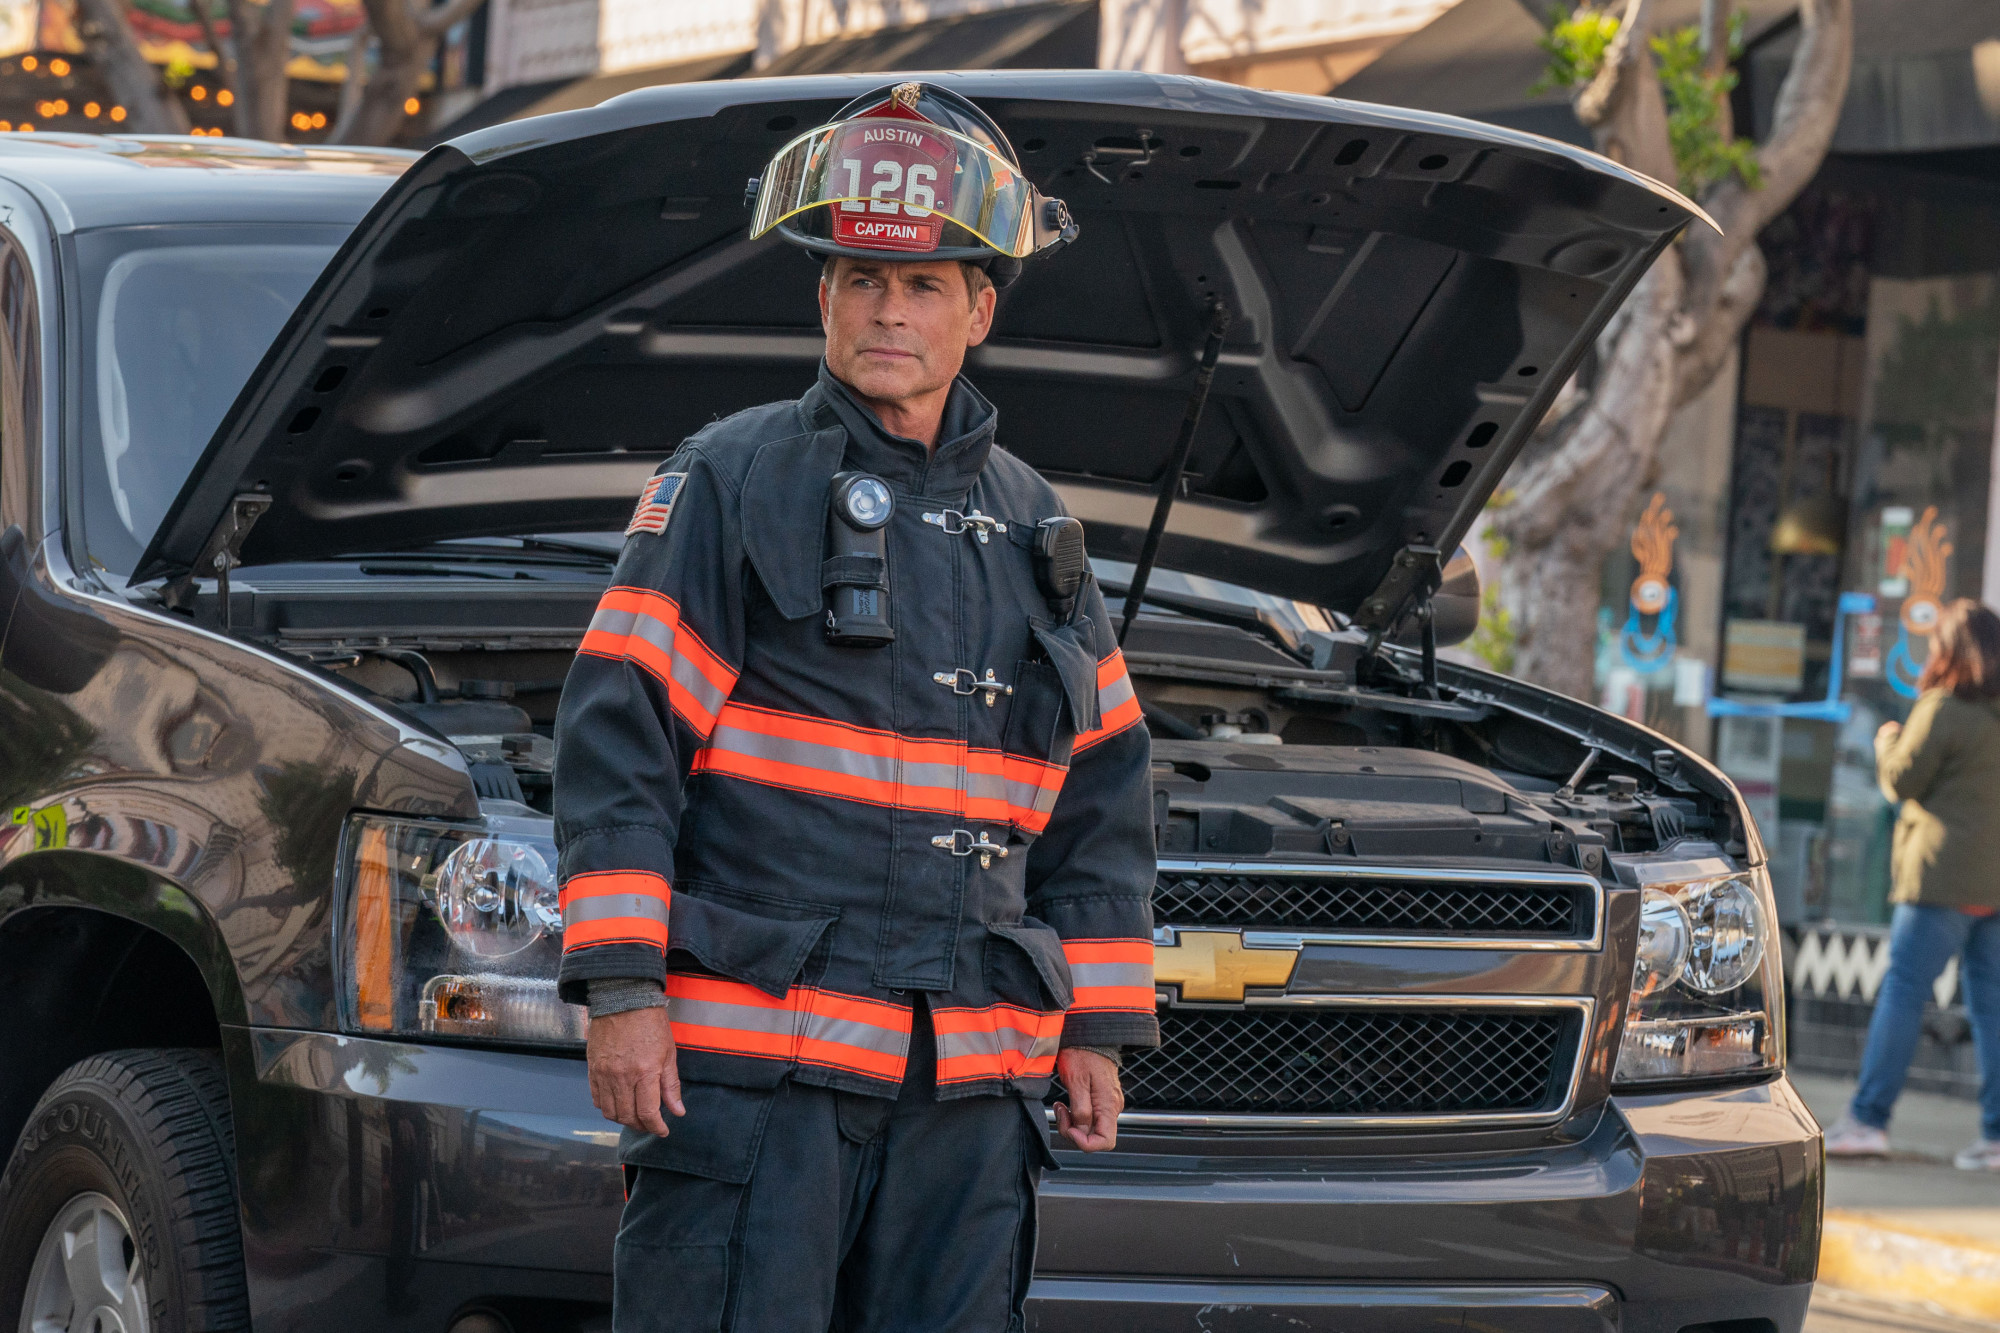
[1926, 72]
[1926, 77]
[1057, 35]
[539, 99]
[1062, 35]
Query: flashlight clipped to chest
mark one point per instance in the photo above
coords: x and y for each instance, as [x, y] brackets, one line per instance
[855, 575]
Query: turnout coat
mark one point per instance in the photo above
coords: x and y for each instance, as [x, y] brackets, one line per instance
[799, 838]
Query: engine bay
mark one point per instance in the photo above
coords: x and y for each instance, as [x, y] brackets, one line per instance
[1255, 753]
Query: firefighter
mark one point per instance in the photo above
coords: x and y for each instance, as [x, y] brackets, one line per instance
[853, 794]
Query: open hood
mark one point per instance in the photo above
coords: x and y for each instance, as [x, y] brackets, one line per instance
[537, 313]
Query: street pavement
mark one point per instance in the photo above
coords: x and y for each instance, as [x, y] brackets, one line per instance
[1909, 1238]
[1835, 1311]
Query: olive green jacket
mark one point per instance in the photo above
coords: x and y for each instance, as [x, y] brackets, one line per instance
[1945, 769]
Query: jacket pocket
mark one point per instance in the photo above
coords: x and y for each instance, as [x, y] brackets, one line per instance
[1025, 965]
[717, 1139]
[1035, 716]
[1068, 649]
[762, 942]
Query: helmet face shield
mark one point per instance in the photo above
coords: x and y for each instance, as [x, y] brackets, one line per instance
[901, 186]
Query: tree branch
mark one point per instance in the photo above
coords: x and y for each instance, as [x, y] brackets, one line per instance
[131, 80]
[1715, 59]
[350, 90]
[436, 22]
[1808, 110]
[1599, 99]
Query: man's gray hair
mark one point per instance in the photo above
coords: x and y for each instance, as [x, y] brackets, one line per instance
[977, 279]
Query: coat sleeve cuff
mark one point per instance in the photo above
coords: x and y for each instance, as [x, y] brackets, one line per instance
[1127, 1030]
[622, 961]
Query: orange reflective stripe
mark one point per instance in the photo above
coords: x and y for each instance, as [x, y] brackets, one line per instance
[1111, 974]
[644, 627]
[1117, 703]
[997, 1041]
[809, 1026]
[615, 907]
[880, 767]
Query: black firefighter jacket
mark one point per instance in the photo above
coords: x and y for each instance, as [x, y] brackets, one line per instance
[785, 830]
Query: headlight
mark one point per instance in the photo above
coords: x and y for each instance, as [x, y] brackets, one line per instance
[1707, 982]
[453, 930]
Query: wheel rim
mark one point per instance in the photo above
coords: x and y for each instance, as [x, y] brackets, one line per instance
[88, 1275]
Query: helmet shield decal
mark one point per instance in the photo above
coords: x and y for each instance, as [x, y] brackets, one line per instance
[899, 186]
[906, 169]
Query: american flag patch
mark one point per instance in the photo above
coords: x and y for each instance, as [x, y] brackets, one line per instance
[656, 504]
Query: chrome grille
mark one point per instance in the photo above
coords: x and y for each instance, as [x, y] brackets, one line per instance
[1361, 1061]
[1246, 900]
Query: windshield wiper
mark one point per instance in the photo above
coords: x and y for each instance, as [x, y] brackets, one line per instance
[417, 569]
[531, 551]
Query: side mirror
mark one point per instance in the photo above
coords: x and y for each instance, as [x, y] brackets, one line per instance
[1454, 607]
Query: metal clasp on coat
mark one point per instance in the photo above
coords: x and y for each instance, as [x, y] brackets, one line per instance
[959, 842]
[962, 681]
[976, 523]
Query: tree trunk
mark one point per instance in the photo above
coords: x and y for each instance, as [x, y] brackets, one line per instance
[350, 89]
[150, 107]
[405, 41]
[1573, 497]
[1570, 509]
[262, 35]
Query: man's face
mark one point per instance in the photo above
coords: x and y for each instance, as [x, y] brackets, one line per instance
[899, 331]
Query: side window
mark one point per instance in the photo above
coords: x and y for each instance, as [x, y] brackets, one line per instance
[20, 384]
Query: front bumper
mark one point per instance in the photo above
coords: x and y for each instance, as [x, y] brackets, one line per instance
[389, 1185]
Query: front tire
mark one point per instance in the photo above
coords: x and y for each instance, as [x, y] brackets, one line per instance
[120, 1201]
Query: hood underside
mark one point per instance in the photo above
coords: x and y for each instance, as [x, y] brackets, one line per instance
[536, 314]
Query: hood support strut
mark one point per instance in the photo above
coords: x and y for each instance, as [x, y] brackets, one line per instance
[1170, 479]
[221, 552]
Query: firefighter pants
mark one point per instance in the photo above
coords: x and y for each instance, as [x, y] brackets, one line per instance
[802, 1210]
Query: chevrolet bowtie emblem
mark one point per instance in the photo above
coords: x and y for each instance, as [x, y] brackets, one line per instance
[1214, 965]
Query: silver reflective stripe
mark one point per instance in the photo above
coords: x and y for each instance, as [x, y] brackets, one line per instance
[992, 1042]
[741, 1017]
[634, 625]
[1111, 974]
[866, 1036]
[608, 905]
[1109, 697]
[831, 759]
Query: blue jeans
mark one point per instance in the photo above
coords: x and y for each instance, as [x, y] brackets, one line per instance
[1921, 941]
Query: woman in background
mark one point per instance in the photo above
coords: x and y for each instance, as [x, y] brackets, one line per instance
[1944, 766]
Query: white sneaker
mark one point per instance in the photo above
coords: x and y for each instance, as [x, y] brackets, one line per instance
[1983, 1155]
[1851, 1138]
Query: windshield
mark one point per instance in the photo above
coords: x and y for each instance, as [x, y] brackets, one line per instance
[174, 321]
[1297, 617]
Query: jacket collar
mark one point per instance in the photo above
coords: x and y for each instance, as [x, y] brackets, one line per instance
[965, 437]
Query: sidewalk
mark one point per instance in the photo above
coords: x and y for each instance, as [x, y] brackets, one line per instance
[1911, 1228]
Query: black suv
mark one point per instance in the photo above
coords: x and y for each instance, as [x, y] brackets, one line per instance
[311, 468]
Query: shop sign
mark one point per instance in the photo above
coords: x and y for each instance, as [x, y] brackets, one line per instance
[1865, 662]
[1925, 557]
[1895, 548]
[1647, 642]
[1764, 656]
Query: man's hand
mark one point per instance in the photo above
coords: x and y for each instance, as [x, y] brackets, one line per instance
[1090, 1121]
[633, 1069]
[1887, 733]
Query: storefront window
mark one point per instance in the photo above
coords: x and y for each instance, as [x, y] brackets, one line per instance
[1860, 490]
[1919, 532]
